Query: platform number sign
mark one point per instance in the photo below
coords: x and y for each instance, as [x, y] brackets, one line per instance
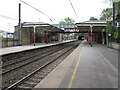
[118, 24]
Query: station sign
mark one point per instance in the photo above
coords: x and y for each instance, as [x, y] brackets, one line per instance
[10, 33]
[118, 24]
[109, 34]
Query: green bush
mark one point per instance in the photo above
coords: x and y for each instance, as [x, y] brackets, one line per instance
[109, 27]
[117, 36]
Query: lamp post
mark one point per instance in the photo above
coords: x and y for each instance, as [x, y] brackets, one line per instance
[19, 24]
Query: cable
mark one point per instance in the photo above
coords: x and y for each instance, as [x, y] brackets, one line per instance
[37, 10]
[73, 9]
[8, 17]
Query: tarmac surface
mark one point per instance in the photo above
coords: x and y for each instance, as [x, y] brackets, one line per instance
[85, 67]
[7, 50]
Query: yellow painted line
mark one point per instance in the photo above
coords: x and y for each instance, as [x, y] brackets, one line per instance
[73, 75]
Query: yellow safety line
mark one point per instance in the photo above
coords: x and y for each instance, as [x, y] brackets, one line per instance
[73, 75]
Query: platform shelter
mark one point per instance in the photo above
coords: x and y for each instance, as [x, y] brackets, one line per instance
[96, 27]
[37, 32]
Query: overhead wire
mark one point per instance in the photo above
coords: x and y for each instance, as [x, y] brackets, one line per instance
[51, 19]
[73, 9]
[8, 17]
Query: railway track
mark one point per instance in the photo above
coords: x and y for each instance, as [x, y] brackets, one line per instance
[28, 55]
[11, 75]
[44, 61]
[24, 61]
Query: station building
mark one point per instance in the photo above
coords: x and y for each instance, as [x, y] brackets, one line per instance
[98, 28]
[38, 32]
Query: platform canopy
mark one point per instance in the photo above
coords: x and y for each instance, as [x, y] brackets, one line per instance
[96, 25]
[41, 26]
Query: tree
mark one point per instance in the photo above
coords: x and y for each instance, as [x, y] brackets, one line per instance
[67, 20]
[117, 10]
[109, 2]
[93, 18]
[106, 14]
[109, 27]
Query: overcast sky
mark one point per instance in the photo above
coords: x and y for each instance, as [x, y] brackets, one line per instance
[57, 9]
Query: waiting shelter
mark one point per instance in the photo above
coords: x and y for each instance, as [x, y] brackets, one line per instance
[95, 27]
[37, 32]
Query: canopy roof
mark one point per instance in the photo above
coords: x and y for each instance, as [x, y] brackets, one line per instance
[97, 26]
[41, 26]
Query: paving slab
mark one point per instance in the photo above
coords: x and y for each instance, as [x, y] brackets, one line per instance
[85, 67]
[15, 49]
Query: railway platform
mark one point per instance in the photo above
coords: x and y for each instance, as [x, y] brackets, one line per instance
[16, 49]
[85, 67]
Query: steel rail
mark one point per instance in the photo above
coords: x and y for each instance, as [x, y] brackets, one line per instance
[29, 75]
[25, 58]
[29, 62]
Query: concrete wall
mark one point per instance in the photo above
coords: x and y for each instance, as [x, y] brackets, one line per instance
[16, 33]
[60, 37]
[8, 42]
[28, 36]
[114, 45]
[25, 34]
